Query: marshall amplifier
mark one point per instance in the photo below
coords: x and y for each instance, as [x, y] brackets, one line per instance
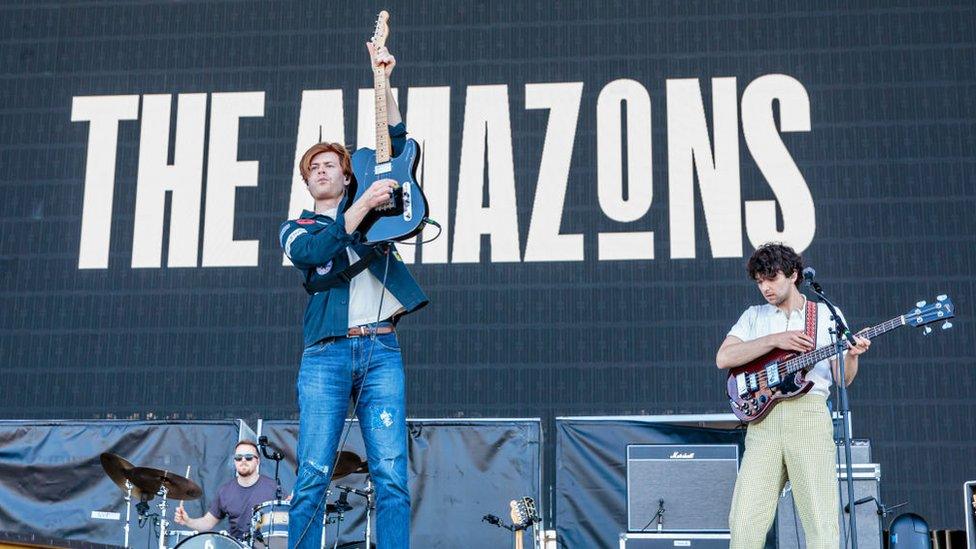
[692, 483]
[674, 541]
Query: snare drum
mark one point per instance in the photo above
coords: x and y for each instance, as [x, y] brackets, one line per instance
[210, 540]
[269, 525]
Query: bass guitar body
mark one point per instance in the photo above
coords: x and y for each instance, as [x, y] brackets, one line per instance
[756, 387]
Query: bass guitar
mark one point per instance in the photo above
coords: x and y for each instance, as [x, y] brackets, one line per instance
[756, 387]
[406, 213]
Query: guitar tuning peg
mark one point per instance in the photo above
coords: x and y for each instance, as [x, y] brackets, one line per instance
[920, 304]
[946, 325]
[928, 330]
[942, 297]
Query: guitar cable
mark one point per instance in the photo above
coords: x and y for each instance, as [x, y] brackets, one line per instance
[355, 406]
[428, 221]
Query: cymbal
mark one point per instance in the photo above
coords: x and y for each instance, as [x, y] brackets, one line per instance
[115, 467]
[347, 464]
[151, 480]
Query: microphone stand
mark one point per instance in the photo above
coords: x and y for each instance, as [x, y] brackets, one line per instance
[840, 332]
[276, 456]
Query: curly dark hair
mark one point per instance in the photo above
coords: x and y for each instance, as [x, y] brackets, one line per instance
[773, 257]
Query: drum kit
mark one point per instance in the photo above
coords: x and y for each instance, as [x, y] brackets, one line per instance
[269, 521]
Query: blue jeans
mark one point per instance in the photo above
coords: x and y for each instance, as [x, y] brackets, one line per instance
[329, 375]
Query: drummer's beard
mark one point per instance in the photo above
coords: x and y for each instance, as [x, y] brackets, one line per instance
[247, 471]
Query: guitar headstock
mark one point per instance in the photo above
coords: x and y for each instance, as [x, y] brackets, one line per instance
[928, 313]
[523, 512]
[382, 30]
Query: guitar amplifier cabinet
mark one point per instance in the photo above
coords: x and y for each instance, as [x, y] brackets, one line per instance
[860, 451]
[867, 481]
[695, 483]
[659, 540]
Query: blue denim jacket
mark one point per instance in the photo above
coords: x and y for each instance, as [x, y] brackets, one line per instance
[316, 245]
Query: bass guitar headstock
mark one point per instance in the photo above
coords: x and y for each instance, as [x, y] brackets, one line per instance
[941, 310]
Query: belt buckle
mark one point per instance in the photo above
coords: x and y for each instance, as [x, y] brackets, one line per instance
[363, 331]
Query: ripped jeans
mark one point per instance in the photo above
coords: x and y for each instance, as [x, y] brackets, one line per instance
[329, 374]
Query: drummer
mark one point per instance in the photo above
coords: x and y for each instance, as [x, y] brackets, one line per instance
[236, 498]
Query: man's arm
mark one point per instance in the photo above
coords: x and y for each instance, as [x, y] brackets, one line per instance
[735, 352]
[307, 249]
[383, 58]
[380, 191]
[851, 360]
[202, 524]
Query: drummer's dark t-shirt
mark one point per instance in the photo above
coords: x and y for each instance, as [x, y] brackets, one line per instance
[237, 503]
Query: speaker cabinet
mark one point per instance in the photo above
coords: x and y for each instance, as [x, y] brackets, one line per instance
[867, 480]
[694, 482]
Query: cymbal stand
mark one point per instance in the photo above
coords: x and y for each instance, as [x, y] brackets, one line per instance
[163, 523]
[369, 511]
[128, 512]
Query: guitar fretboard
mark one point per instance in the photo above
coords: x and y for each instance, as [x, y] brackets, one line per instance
[382, 131]
[806, 360]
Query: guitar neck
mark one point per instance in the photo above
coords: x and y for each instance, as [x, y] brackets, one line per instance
[380, 86]
[518, 538]
[806, 360]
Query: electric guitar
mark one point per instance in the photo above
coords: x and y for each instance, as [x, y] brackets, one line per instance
[523, 515]
[756, 387]
[406, 213]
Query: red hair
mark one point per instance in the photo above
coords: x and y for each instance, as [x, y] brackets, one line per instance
[305, 164]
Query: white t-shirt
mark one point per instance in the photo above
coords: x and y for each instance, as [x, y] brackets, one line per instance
[760, 320]
[365, 292]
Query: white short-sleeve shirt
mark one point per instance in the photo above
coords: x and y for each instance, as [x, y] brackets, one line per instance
[760, 320]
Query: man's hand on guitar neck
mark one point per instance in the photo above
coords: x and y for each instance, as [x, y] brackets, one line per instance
[381, 57]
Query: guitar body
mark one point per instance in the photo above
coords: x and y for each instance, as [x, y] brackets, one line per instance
[750, 393]
[755, 388]
[406, 214]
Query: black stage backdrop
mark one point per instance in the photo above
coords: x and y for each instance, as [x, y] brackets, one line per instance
[601, 170]
[52, 484]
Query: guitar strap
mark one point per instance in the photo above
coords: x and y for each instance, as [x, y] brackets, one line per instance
[811, 321]
[346, 275]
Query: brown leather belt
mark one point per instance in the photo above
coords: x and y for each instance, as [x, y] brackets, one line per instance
[359, 331]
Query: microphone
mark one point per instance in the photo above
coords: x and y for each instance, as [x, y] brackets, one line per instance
[808, 275]
[847, 508]
[273, 454]
[361, 493]
[492, 519]
[660, 514]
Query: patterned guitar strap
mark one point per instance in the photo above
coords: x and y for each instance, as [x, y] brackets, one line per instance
[811, 321]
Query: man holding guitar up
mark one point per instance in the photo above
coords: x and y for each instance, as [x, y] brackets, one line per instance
[351, 349]
[794, 441]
